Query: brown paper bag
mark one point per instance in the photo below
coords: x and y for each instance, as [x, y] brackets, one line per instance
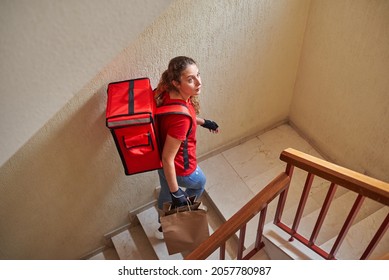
[184, 228]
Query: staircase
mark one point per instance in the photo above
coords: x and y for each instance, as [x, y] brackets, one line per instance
[137, 241]
[234, 177]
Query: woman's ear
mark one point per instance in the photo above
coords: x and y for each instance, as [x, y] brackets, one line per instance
[176, 84]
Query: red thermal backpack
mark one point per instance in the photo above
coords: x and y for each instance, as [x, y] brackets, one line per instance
[131, 116]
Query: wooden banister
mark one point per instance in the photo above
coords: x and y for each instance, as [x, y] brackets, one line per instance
[338, 176]
[241, 218]
[357, 182]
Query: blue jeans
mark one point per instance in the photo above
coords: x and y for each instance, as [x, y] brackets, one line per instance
[193, 183]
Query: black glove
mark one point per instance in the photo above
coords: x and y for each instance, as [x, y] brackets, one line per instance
[179, 198]
[211, 125]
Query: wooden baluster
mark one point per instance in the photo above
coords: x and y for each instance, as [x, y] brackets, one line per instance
[348, 223]
[222, 255]
[283, 195]
[242, 234]
[377, 237]
[301, 206]
[323, 213]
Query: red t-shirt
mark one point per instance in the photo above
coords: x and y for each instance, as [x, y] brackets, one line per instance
[177, 126]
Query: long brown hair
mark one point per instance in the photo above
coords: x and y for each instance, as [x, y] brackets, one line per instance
[173, 73]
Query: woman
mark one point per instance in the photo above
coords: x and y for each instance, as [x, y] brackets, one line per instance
[180, 83]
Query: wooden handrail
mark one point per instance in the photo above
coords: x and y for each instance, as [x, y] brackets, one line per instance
[240, 218]
[357, 182]
[361, 184]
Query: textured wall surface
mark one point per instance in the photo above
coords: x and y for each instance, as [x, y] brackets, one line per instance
[50, 49]
[247, 52]
[65, 188]
[341, 99]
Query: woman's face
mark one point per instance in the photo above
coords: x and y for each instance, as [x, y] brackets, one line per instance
[190, 83]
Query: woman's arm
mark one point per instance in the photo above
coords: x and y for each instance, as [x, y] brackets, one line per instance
[211, 125]
[200, 121]
[169, 152]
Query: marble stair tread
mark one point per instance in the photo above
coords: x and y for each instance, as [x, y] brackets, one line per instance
[261, 255]
[99, 256]
[298, 251]
[107, 254]
[279, 239]
[362, 232]
[125, 246]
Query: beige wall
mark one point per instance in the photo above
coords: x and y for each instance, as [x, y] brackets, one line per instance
[50, 49]
[341, 99]
[65, 188]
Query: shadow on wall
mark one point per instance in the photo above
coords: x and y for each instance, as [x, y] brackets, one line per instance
[56, 186]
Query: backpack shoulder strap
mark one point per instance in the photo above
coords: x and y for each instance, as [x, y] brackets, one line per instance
[173, 108]
[180, 109]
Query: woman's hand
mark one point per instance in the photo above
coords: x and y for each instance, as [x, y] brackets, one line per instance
[179, 198]
[211, 125]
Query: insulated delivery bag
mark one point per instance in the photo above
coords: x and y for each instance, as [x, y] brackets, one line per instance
[131, 117]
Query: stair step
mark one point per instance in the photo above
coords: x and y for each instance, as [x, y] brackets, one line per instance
[339, 209]
[125, 246]
[362, 233]
[337, 214]
[278, 246]
[261, 255]
[107, 254]
[99, 256]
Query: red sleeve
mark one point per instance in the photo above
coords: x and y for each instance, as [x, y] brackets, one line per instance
[178, 126]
